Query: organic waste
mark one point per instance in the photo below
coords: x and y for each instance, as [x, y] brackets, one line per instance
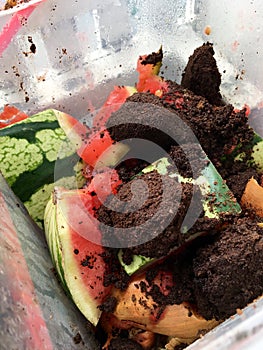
[164, 289]
[200, 259]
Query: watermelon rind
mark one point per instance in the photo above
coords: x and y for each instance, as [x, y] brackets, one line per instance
[79, 282]
[35, 156]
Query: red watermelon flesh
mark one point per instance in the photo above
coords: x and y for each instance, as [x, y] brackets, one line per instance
[102, 185]
[11, 115]
[115, 100]
[95, 147]
[148, 67]
[74, 240]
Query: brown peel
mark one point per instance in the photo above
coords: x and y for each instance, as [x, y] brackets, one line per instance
[252, 197]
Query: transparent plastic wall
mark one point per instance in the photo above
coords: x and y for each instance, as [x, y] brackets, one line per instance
[68, 54]
[83, 48]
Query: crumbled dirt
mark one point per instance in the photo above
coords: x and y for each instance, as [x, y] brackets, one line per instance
[153, 58]
[164, 209]
[130, 168]
[201, 74]
[228, 271]
[188, 161]
[218, 128]
[124, 344]
[221, 270]
[237, 177]
[218, 273]
[114, 274]
[78, 339]
[109, 304]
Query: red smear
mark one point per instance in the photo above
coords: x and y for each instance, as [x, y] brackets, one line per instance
[21, 287]
[246, 107]
[235, 45]
[116, 98]
[11, 115]
[13, 26]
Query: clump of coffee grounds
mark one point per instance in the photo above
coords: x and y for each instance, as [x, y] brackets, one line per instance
[155, 221]
[218, 273]
[114, 274]
[218, 129]
[217, 126]
[188, 161]
[124, 344]
[237, 177]
[201, 74]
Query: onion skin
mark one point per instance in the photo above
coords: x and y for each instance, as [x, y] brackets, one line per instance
[145, 338]
[179, 321]
[137, 309]
[252, 197]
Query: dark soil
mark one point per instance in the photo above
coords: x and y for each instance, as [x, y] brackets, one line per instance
[157, 211]
[218, 273]
[124, 344]
[218, 128]
[201, 74]
[153, 58]
[238, 176]
[221, 270]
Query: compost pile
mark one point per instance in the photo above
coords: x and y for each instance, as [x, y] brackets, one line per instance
[220, 271]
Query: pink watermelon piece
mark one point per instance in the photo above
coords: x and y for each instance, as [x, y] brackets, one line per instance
[11, 115]
[95, 147]
[74, 239]
[148, 67]
[115, 100]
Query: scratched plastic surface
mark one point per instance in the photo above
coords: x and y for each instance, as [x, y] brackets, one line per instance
[35, 314]
[244, 331]
[82, 49]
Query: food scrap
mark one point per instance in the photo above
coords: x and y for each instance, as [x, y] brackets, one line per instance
[183, 279]
[161, 267]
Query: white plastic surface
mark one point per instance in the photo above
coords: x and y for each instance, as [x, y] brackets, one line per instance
[83, 48]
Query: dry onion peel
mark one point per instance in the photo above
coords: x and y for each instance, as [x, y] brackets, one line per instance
[252, 197]
[136, 308]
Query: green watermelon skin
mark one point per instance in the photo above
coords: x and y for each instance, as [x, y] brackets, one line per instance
[73, 238]
[35, 312]
[35, 155]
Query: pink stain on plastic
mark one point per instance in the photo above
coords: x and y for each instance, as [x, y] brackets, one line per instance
[235, 45]
[34, 333]
[15, 23]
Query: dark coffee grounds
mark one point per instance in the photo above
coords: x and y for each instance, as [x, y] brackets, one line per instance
[237, 177]
[114, 273]
[163, 209]
[188, 161]
[201, 74]
[218, 273]
[230, 269]
[124, 344]
[218, 129]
